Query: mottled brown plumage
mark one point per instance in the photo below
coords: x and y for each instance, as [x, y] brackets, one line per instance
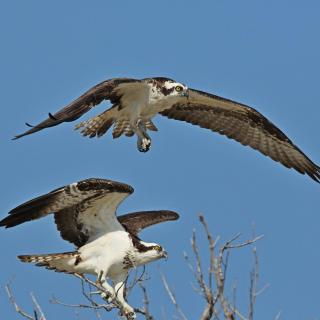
[245, 125]
[78, 107]
[71, 203]
[69, 197]
[136, 221]
[136, 102]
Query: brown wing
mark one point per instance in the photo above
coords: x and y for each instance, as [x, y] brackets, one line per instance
[94, 216]
[245, 125]
[136, 221]
[73, 204]
[105, 90]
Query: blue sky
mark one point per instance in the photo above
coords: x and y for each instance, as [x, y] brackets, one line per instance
[261, 53]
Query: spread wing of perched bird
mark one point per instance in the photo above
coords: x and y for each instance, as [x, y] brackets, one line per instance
[135, 102]
[106, 245]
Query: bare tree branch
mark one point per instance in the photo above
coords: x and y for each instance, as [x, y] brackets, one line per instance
[107, 306]
[54, 300]
[146, 302]
[172, 297]
[278, 315]
[37, 307]
[213, 290]
[20, 311]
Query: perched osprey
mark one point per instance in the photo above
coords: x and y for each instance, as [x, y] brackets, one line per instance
[135, 102]
[107, 245]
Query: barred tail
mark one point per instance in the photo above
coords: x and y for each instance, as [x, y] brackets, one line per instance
[97, 126]
[123, 126]
[64, 262]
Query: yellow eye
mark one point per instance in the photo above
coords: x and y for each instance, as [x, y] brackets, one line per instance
[157, 248]
[179, 88]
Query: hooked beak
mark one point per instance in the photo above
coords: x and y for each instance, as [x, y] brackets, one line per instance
[164, 255]
[186, 93]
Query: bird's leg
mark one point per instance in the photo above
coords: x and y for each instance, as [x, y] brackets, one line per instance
[119, 287]
[109, 295]
[144, 141]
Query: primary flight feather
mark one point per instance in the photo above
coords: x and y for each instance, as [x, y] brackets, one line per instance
[135, 102]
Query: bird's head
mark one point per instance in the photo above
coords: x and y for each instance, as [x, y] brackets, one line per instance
[170, 88]
[151, 252]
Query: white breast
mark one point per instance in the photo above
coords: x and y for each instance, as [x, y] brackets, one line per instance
[134, 100]
[106, 252]
[159, 104]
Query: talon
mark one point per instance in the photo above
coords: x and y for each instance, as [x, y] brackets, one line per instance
[108, 296]
[104, 295]
[129, 314]
[144, 141]
[144, 144]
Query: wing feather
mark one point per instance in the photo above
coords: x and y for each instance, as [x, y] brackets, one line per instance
[243, 124]
[136, 221]
[81, 209]
[106, 90]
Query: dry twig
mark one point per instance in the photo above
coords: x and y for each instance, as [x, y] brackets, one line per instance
[146, 302]
[172, 297]
[24, 314]
[106, 306]
[213, 289]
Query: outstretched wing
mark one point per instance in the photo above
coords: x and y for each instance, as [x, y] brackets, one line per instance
[243, 124]
[136, 221]
[106, 90]
[81, 210]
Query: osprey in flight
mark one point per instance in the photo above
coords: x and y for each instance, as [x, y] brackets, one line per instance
[107, 245]
[135, 102]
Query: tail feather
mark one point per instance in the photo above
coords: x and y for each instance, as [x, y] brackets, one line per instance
[97, 126]
[57, 261]
[122, 127]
